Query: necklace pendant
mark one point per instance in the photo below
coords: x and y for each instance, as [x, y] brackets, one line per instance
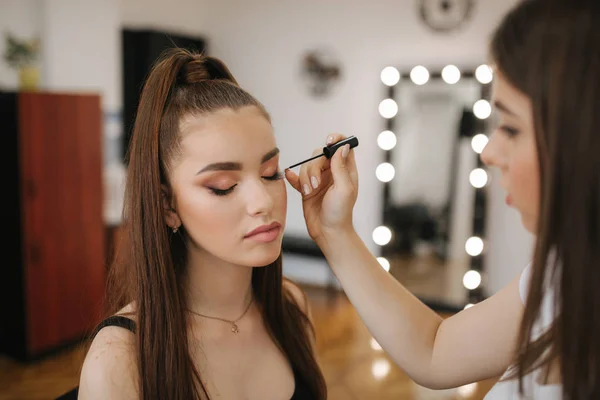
[234, 328]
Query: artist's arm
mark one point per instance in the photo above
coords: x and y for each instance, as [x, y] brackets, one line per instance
[472, 345]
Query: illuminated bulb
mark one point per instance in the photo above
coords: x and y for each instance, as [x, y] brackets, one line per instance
[451, 74]
[472, 279]
[484, 74]
[479, 142]
[474, 246]
[385, 264]
[390, 76]
[388, 108]
[419, 75]
[382, 235]
[385, 172]
[374, 345]
[478, 178]
[380, 368]
[482, 109]
[386, 140]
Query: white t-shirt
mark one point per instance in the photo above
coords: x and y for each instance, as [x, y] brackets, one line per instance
[509, 390]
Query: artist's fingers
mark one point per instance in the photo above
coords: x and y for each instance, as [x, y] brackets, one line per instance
[352, 170]
[350, 162]
[314, 171]
[293, 179]
[340, 171]
[311, 175]
[334, 138]
[308, 174]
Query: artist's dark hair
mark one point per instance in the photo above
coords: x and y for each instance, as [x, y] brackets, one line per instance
[550, 51]
[148, 271]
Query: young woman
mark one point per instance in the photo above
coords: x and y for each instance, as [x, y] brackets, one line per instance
[198, 305]
[540, 333]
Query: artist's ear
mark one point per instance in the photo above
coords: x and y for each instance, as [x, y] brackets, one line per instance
[168, 201]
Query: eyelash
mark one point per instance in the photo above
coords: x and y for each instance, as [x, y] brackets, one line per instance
[512, 132]
[218, 192]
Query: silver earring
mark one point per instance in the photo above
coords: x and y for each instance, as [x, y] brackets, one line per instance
[175, 229]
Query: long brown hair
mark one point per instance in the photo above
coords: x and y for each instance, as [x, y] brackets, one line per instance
[148, 271]
[550, 51]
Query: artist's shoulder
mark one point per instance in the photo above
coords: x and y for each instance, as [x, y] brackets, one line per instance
[109, 369]
[297, 295]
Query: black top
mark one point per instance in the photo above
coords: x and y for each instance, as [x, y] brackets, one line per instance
[301, 391]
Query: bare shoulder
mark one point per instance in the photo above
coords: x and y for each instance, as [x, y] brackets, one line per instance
[109, 369]
[297, 294]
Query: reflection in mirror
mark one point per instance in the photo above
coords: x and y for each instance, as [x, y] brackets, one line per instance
[432, 237]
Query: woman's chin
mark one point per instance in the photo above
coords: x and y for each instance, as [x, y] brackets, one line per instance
[266, 258]
[529, 223]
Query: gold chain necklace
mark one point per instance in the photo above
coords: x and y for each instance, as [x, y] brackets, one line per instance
[234, 327]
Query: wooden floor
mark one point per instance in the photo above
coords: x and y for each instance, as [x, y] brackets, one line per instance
[355, 368]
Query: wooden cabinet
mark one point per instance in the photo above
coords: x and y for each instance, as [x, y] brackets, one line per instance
[52, 280]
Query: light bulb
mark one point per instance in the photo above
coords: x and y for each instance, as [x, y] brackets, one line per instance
[388, 108]
[386, 140]
[472, 280]
[451, 74]
[385, 264]
[382, 235]
[385, 172]
[380, 368]
[484, 74]
[478, 178]
[482, 109]
[474, 246]
[419, 75]
[390, 76]
[479, 142]
[374, 345]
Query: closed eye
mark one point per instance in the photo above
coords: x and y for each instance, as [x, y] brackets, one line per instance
[222, 192]
[509, 130]
[277, 176]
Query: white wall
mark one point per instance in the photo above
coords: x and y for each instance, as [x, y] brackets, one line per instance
[176, 16]
[81, 45]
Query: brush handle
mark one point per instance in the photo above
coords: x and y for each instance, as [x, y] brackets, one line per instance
[330, 150]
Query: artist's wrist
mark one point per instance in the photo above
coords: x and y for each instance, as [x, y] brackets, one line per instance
[332, 238]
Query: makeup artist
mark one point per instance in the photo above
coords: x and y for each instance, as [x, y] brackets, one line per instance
[541, 332]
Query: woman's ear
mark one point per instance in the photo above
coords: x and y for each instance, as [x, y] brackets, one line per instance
[168, 201]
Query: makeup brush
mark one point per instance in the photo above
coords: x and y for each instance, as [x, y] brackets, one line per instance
[330, 150]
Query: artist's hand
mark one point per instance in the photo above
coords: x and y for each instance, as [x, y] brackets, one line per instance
[328, 207]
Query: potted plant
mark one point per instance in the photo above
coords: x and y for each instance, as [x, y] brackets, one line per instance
[23, 55]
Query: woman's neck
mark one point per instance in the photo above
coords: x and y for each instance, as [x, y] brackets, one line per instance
[215, 287]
